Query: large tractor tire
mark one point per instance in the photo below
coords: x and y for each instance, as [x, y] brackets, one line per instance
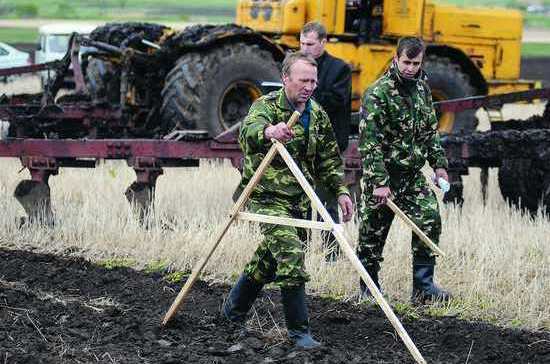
[524, 184]
[448, 81]
[103, 77]
[121, 34]
[213, 89]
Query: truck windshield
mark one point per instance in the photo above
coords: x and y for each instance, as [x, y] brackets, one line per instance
[58, 43]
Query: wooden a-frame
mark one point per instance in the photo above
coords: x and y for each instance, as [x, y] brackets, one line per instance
[327, 224]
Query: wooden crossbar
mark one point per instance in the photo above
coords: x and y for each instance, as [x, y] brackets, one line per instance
[308, 224]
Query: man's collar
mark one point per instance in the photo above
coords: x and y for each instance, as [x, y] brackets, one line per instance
[321, 58]
[396, 74]
[285, 104]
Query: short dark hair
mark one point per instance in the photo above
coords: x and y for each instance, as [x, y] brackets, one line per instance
[294, 57]
[412, 46]
[315, 27]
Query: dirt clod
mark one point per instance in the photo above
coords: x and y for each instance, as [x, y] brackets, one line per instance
[64, 309]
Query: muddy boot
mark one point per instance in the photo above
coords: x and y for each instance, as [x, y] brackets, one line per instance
[365, 294]
[240, 299]
[297, 321]
[424, 288]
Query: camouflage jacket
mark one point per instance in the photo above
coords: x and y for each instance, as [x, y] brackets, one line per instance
[315, 151]
[397, 132]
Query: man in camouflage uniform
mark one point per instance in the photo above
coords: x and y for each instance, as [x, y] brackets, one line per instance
[397, 136]
[280, 258]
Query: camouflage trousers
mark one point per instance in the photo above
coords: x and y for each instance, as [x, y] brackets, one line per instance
[417, 201]
[280, 256]
[330, 200]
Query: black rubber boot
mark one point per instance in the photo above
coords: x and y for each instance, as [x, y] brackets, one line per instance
[365, 293]
[240, 299]
[424, 288]
[297, 321]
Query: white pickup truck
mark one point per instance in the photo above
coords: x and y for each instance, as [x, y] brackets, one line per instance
[53, 43]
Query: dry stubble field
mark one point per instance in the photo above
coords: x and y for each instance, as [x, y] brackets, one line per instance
[498, 263]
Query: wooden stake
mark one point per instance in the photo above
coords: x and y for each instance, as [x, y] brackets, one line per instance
[429, 243]
[243, 198]
[319, 225]
[350, 254]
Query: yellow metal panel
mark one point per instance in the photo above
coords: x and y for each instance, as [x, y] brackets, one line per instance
[481, 52]
[428, 22]
[403, 17]
[368, 62]
[323, 11]
[501, 87]
[294, 16]
[340, 17]
[290, 41]
[263, 15]
[508, 60]
[477, 22]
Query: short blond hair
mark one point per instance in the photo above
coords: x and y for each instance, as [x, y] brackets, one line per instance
[294, 57]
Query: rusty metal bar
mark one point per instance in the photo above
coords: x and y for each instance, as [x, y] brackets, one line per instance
[491, 101]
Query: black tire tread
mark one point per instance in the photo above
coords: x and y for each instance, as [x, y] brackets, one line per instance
[443, 68]
[184, 94]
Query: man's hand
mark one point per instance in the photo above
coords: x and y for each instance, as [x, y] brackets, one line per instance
[347, 207]
[280, 132]
[381, 195]
[441, 173]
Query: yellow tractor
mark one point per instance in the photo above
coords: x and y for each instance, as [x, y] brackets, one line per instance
[206, 76]
[471, 51]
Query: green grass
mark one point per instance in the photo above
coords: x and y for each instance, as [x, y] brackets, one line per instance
[535, 49]
[537, 21]
[516, 4]
[406, 310]
[156, 266]
[176, 277]
[114, 263]
[117, 9]
[18, 35]
[530, 20]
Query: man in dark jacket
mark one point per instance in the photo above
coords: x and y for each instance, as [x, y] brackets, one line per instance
[333, 92]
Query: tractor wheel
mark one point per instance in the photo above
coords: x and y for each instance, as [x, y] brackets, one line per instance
[524, 184]
[448, 81]
[212, 90]
[103, 77]
[119, 34]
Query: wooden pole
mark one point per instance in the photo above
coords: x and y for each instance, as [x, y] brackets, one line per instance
[318, 225]
[350, 254]
[429, 243]
[243, 198]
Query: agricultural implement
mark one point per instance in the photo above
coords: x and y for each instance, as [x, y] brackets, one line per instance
[47, 132]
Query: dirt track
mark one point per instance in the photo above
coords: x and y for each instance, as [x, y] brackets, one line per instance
[63, 309]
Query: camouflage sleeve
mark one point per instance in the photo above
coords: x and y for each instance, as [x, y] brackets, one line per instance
[251, 134]
[330, 166]
[436, 153]
[371, 139]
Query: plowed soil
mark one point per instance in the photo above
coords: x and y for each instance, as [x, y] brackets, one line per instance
[63, 309]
